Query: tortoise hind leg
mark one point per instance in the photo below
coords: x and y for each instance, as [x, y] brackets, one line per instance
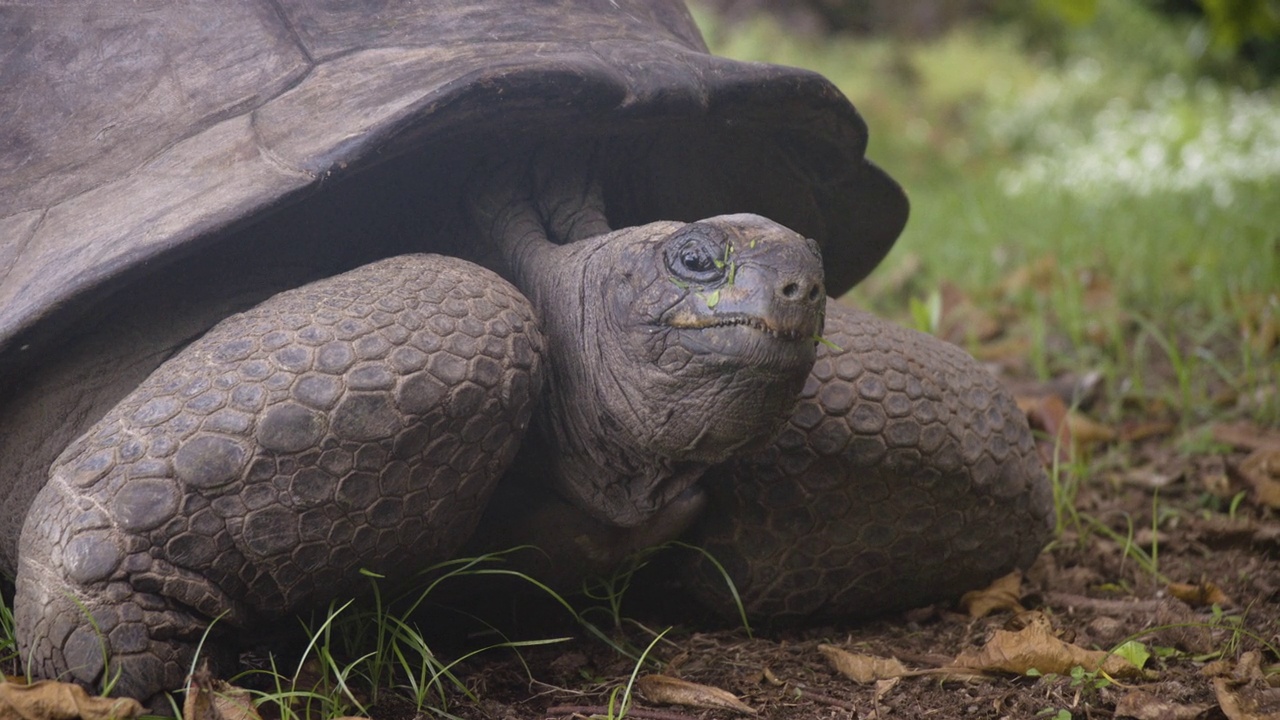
[906, 475]
[360, 422]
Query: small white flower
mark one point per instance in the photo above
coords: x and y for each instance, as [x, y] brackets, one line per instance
[1177, 138]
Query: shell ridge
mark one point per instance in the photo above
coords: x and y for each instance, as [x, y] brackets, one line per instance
[20, 242]
[287, 23]
[276, 160]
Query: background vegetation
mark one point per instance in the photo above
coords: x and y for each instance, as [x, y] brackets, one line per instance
[1095, 186]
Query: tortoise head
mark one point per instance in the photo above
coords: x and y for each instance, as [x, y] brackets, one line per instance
[673, 346]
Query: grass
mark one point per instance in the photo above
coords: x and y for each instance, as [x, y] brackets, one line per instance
[1111, 202]
[608, 592]
[8, 643]
[621, 696]
[359, 655]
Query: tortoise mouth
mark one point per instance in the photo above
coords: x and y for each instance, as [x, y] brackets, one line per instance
[737, 342]
[762, 325]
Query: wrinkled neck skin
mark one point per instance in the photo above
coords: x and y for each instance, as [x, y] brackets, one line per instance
[616, 449]
[642, 399]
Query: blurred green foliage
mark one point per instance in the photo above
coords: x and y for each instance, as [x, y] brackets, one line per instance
[1091, 186]
[1242, 35]
[1236, 22]
[1237, 39]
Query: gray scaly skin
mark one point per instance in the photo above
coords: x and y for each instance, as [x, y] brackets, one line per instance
[905, 476]
[361, 422]
[358, 422]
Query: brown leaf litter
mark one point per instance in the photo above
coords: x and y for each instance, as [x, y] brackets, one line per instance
[666, 690]
[52, 700]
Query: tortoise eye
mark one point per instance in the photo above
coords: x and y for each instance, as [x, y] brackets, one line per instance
[696, 260]
[693, 252]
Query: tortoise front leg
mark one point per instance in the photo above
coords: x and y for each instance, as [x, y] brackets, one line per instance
[906, 475]
[359, 422]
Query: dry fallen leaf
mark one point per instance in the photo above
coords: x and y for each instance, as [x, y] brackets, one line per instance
[1261, 472]
[1248, 668]
[1147, 477]
[1035, 647]
[1217, 668]
[1003, 594]
[210, 698]
[1039, 274]
[1180, 627]
[1068, 430]
[863, 669]
[1086, 432]
[1008, 352]
[882, 690]
[1249, 701]
[52, 700]
[963, 320]
[1246, 436]
[1141, 705]
[1133, 432]
[1203, 594]
[673, 691]
[1048, 415]
[1219, 485]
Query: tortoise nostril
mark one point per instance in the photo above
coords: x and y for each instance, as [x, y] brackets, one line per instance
[801, 291]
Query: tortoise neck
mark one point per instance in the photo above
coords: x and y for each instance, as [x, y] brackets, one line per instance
[594, 468]
[514, 227]
[527, 203]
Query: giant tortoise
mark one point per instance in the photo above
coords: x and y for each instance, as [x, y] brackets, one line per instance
[255, 335]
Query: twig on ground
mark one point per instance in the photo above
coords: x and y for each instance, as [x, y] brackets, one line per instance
[803, 692]
[602, 710]
[1060, 599]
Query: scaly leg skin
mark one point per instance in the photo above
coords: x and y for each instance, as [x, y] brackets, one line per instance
[360, 422]
[905, 476]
